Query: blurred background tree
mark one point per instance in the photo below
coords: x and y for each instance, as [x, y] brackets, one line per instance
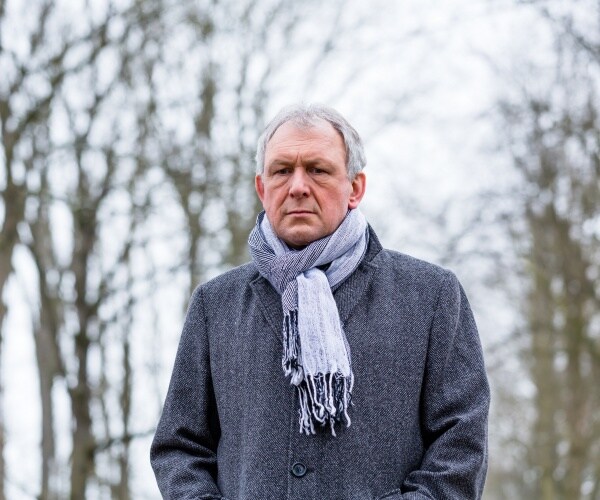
[128, 132]
[551, 119]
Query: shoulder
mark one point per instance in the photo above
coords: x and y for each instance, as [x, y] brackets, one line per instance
[398, 276]
[225, 290]
[408, 269]
[235, 277]
[434, 287]
[227, 286]
[418, 284]
[402, 268]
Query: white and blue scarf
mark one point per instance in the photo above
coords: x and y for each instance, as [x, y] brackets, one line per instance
[315, 351]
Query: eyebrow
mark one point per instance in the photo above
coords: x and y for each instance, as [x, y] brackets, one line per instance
[278, 161]
[281, 162]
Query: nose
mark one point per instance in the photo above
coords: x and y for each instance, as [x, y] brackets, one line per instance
[299, 184]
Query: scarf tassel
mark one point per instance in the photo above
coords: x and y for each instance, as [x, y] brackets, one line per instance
[291, 347]
[324, 399]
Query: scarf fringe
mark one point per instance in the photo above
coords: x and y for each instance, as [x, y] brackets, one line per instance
[324, 399]
[291, 348]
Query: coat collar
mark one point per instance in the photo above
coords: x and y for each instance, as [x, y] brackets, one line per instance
[346, 294]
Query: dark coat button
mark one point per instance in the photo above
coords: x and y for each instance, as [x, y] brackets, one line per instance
[298, 469]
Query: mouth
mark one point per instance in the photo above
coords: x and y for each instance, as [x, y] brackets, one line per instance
[299, 212]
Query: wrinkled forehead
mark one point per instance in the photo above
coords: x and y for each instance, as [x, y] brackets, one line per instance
[320, 140]
[305, 123]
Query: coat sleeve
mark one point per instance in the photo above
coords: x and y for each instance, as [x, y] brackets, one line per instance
[183, 452]
[454, 405]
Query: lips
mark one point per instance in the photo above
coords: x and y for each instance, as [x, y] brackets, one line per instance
[300, 212]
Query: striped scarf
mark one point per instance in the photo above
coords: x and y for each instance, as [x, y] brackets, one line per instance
[315, 352]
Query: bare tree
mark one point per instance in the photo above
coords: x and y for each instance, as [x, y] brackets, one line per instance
[554, 138]
[19, 126]
[66, 319]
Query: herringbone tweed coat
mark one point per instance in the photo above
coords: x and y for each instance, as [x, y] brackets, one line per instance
[229, 427]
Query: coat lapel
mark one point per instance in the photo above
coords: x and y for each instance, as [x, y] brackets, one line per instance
[350, 291]
[269, 301]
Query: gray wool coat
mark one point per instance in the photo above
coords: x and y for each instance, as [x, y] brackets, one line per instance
[229, 427]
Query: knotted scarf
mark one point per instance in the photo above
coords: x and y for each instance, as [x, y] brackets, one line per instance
[315, 352]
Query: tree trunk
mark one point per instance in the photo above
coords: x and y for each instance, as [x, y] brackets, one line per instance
[123, 488]
[84, 445]
[83, 441]
[14, 212]
[542, 372]
[576, 292]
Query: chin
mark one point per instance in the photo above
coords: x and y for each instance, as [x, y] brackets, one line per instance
[299, 240]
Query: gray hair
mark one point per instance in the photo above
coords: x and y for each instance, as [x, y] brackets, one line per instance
[306, 116]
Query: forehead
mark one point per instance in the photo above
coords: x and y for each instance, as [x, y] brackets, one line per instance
[319, 138]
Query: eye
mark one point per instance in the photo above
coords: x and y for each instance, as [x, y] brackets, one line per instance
[282, 171]
[317, 170]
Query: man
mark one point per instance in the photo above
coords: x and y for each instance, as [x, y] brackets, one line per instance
[328, 368]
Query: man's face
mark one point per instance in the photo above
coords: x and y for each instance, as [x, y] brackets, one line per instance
[304, 187]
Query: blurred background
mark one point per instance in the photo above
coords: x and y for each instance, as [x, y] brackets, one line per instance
[128, 131]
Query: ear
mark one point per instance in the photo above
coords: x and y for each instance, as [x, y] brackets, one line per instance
[359, 184]
[260, 187]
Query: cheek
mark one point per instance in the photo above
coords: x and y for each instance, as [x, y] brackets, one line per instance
[335, 209]
[274, 198]
[272, 203]
[342, 200]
